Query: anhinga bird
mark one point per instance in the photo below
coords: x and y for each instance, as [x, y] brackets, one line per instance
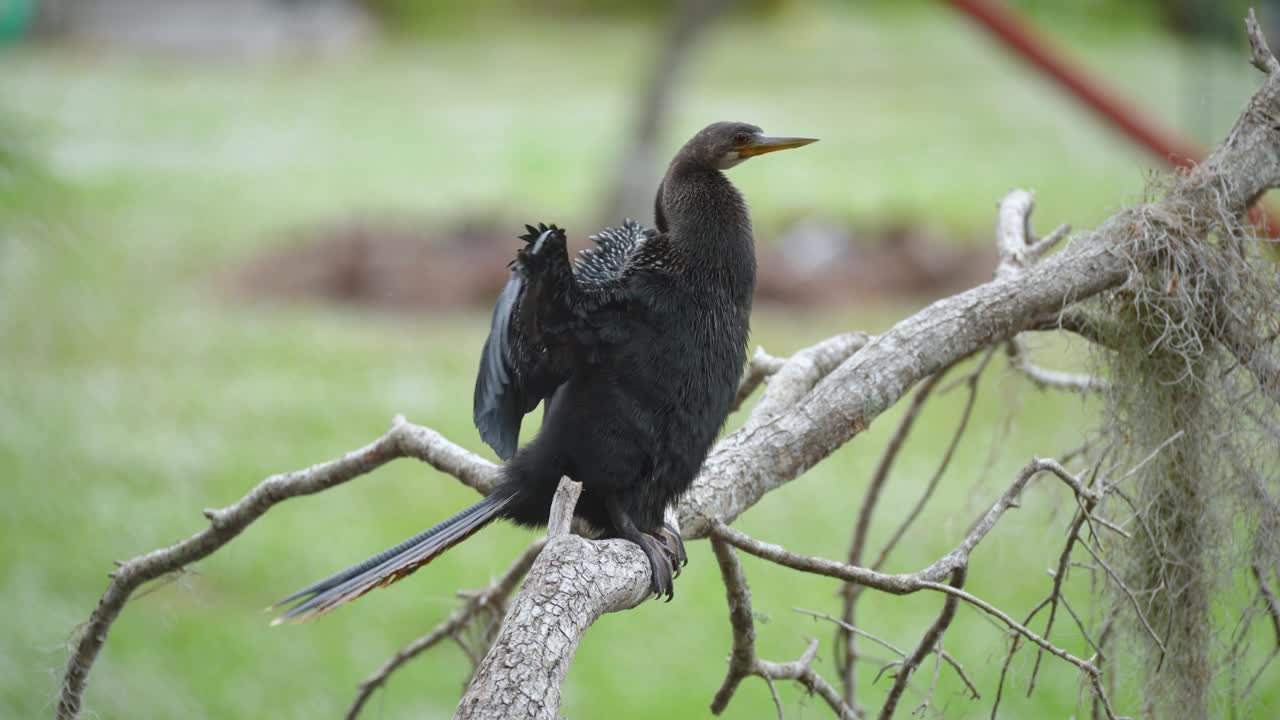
[636, 350]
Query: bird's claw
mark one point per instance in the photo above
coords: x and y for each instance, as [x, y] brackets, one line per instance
[673, 545]
[661, 567]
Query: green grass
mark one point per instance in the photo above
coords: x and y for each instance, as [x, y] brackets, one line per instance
[133, 394]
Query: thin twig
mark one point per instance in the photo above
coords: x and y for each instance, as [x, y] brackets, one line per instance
[1046, 379]
[487, 598]
[1014, 644]
[901, 584]
[932, 639]
[846, 647]
[1084, 632]
[971, 381]
[1268, 598]
[1086, 504]
[743, 661]
[853, 630]
[947, 657]
[1133, 600]
[1055, 594]
[933, 682]
[928, 578]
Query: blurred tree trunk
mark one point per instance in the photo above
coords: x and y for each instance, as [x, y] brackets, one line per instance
[637, 173]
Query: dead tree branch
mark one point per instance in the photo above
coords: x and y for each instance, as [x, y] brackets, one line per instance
[569, 586]
[743, 661]
[931, 641]
[402, 440]
[1019, 248]
[491, 598]
[825, 396]
[1260, 54]
[1046, 379]
[815, 403]
[902, 584]
[971, 380]
[947, 657]
[759, 368]
[845, 643]
[637, 172]
[1269, 600]
[953, 564]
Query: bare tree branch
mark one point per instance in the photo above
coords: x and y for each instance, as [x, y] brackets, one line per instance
[570, 584]
[1016, 244]
[1084, 514]
[954, 563]
[971, 380]
[743, 661]
[846, 647]
[1260, 54]
[562, 505]
[902, 584]
[402, 440]
[801, 670]
[1055, 594]
[759, 367]
[1008, 658]
[1255, 354]
[946, 656]
[1019, 249]
[1269, 600]
[814, 404]
[491, 597]
[931, 641]
[1047, 379]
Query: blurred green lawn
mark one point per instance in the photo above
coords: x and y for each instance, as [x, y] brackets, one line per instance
[134, 394]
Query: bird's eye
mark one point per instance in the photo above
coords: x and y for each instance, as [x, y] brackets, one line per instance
[741, 138]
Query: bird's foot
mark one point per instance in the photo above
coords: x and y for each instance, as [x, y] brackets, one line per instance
[673, 545]
[661, 566]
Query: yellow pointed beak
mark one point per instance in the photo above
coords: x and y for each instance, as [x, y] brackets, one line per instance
[762, 145]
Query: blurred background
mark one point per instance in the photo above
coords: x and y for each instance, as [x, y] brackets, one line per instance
[237, 237]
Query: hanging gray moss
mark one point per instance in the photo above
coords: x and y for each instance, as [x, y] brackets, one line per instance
[1198, 508]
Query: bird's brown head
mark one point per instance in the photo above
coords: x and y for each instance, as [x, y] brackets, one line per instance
[722, 145]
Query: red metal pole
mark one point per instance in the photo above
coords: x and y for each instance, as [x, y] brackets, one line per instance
[1018, 35]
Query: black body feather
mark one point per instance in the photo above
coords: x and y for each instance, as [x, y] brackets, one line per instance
[636, 350]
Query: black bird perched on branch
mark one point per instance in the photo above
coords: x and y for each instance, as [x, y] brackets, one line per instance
[636, 349]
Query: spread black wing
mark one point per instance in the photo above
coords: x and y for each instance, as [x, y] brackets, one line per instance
[549, 319]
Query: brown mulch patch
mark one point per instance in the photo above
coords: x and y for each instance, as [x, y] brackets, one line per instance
[404, 263]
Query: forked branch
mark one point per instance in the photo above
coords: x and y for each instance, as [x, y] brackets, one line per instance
[743, 661]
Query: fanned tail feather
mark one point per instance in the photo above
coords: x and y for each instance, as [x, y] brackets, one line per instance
[391, 564]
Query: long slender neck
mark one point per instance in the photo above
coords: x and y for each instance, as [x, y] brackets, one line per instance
[709, 225]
